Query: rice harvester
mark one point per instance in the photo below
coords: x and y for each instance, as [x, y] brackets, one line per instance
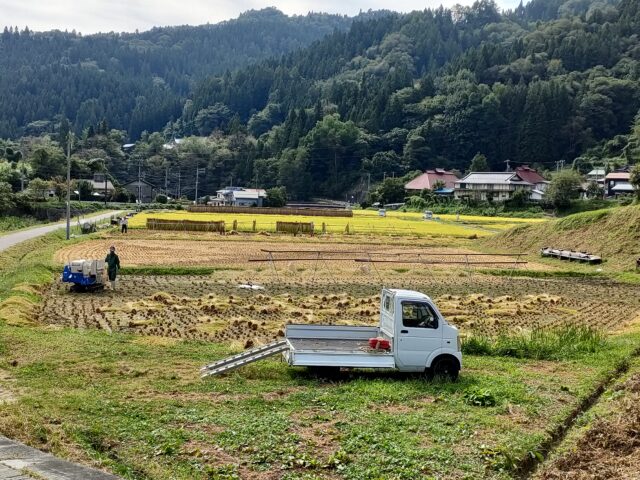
[85, 275]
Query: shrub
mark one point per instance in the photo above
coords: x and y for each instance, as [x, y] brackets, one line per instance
[161, 198]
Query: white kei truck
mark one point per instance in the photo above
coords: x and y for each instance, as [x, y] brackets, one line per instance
[415, 335]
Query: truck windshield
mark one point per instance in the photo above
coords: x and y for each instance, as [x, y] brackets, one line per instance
[418, 315]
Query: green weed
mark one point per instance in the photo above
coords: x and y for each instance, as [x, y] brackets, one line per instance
[557, 343]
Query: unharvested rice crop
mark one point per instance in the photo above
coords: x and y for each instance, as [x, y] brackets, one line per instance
[363, 222]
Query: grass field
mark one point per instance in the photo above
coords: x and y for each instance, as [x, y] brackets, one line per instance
[363, 222]
[112, 380]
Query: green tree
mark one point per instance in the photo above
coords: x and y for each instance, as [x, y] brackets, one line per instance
[390, 190]
[437, 185]
[336, 150]
[48, 161]
[479, 163]
[276, 197]
[519, 198]
[634, 179]
[161, 198]
[594, 190]
[39, 188]
[59, 186]
[7, 198]
[564, 187]
[85, 190]
[213, 118]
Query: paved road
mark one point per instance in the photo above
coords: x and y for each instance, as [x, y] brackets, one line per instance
[19, 462]
[7, 241]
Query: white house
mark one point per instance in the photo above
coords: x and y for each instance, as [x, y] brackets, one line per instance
[240, 197]
[497, 186]
[596, 175]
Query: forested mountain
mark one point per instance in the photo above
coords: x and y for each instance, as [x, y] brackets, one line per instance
[431, 89]
[552, 80]
[135, 81]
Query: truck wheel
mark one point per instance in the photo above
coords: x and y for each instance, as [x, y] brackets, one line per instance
[444, 368]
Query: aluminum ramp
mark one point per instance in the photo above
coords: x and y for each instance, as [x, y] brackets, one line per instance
[244, 358]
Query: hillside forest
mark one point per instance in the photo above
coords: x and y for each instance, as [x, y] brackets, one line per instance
[326, 105]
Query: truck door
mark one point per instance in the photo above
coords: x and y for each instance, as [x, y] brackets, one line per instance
[419, 334]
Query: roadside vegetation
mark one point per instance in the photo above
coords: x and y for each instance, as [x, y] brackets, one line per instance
[11, 223]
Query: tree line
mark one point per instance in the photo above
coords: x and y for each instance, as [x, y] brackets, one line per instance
[394, 94]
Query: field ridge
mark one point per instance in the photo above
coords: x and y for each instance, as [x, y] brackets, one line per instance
[612, 233]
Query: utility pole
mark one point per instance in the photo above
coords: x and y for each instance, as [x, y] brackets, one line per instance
[179, 178]
[139, 179]
[166, 179]
[368, 182]
[105, 186]
[198, 172]
[68, 186]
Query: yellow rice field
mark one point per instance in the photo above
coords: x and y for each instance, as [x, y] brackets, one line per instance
[363, 222]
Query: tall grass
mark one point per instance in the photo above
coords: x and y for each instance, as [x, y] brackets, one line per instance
[558, 343]
[10, 223]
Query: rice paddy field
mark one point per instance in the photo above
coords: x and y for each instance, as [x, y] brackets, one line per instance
[362, 222]
[112, 379]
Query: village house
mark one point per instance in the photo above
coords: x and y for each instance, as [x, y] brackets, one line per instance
[239, 197]
[596, 175]
[618, 182]
[495, 186]
[430, 179]
[531, 176]
[144, 191]
[100, 185]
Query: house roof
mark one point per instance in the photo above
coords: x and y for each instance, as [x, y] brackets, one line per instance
[97, 185]
[596, 172]
[618, 176]
[528, 174]
[622, 187]
[429, 178]
[494, 178]
[247, 194]
[133, 182]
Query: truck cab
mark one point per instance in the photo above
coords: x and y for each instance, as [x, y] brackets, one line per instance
[422, 340]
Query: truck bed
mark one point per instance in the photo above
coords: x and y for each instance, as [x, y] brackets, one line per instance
[335, 346]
